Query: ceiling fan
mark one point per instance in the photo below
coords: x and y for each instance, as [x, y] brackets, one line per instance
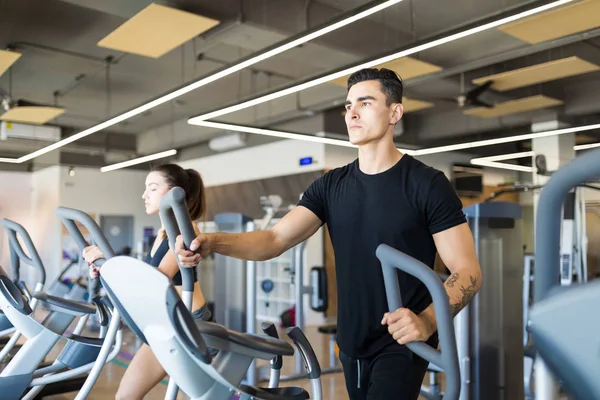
[466, 99]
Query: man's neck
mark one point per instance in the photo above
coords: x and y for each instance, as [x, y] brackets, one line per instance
[377, 157]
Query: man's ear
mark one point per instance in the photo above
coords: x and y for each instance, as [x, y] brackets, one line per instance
[398, 112]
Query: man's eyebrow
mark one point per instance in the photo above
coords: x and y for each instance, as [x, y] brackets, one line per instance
[362, 98]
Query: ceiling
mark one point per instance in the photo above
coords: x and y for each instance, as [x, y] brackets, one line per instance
[62, 65]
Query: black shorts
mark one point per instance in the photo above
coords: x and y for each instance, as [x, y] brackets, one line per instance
[394, 372]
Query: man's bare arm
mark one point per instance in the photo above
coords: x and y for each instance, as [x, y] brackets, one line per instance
[296, 226]
[456, 248]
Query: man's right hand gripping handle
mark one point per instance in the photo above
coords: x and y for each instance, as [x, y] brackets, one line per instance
[188, 258]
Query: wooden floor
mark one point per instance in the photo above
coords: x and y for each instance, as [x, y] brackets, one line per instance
[105, 388]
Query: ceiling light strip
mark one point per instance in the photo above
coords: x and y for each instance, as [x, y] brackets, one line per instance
[275, 50]
[491, 161]
[586, 146]
[372, 63]
[420, 152]
[139, 160]
[275, 133]
[517, 138]
[509, 156]
[513, 167]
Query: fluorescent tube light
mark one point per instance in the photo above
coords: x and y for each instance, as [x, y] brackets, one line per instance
[369, 64]
[586, 146]
[9, 160]
[275, 133]
[139, 160]
[510, 156]
[499, 165]
[205, 81]
[420, 152]
[491, 142]
[284, 135]
[491, 161]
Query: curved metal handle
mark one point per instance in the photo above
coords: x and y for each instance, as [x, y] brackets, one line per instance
[584, 168]
[309, 357]
[69, 216]
[176, 220]
[13, 229]
[392, 259]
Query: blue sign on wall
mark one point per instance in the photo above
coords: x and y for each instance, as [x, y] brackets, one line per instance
[306, 161]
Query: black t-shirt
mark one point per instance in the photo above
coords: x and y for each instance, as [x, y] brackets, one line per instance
[401, 207]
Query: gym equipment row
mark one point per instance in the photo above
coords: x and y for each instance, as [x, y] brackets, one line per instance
[562, 321]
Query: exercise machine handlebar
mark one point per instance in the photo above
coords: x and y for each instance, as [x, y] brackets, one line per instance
[584, 168]
[70, 216]
[391, 260]
[176, 219]
[34, 259]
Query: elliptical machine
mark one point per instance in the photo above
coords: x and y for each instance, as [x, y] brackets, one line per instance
[78, 355]
[162, 319]
[564, 321]
[447, 359]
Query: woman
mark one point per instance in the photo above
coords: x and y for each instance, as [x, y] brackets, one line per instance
[145, 372]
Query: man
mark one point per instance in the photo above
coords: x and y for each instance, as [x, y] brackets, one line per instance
[382, 197]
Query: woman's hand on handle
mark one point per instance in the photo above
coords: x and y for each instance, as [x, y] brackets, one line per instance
[91, 254]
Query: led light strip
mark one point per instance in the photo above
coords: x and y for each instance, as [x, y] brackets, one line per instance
[139, 160]
[586, 146]
[510, 156]
[205, 81]
[420, 152]
[382, 60]
[513, 167]
[517, 138]
[284, 135]
[491, 161]
[9, 160]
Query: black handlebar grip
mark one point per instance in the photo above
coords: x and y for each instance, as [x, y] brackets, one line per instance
[269, 329]
[308, 354]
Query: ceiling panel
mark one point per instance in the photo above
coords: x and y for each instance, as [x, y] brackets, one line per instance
[32, 115]
[514, 107]
[405, 67]
[539, 73]
[556, 23]
[156, 30]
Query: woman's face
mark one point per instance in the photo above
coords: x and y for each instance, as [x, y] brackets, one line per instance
[156, 188]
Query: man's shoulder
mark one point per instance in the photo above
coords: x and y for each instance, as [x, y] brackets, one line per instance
[420, 169]
[337, 173]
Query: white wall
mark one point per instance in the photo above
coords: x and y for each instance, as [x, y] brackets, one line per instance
[15, 204]
[46, 226]
[274, 159]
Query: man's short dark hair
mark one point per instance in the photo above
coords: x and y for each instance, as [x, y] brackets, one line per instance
[391, 84]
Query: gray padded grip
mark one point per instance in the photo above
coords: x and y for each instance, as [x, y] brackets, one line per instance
[66, 304]
[13, 229]
[176, 219]
[582, 169]
[392, 259]
[69, 216]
